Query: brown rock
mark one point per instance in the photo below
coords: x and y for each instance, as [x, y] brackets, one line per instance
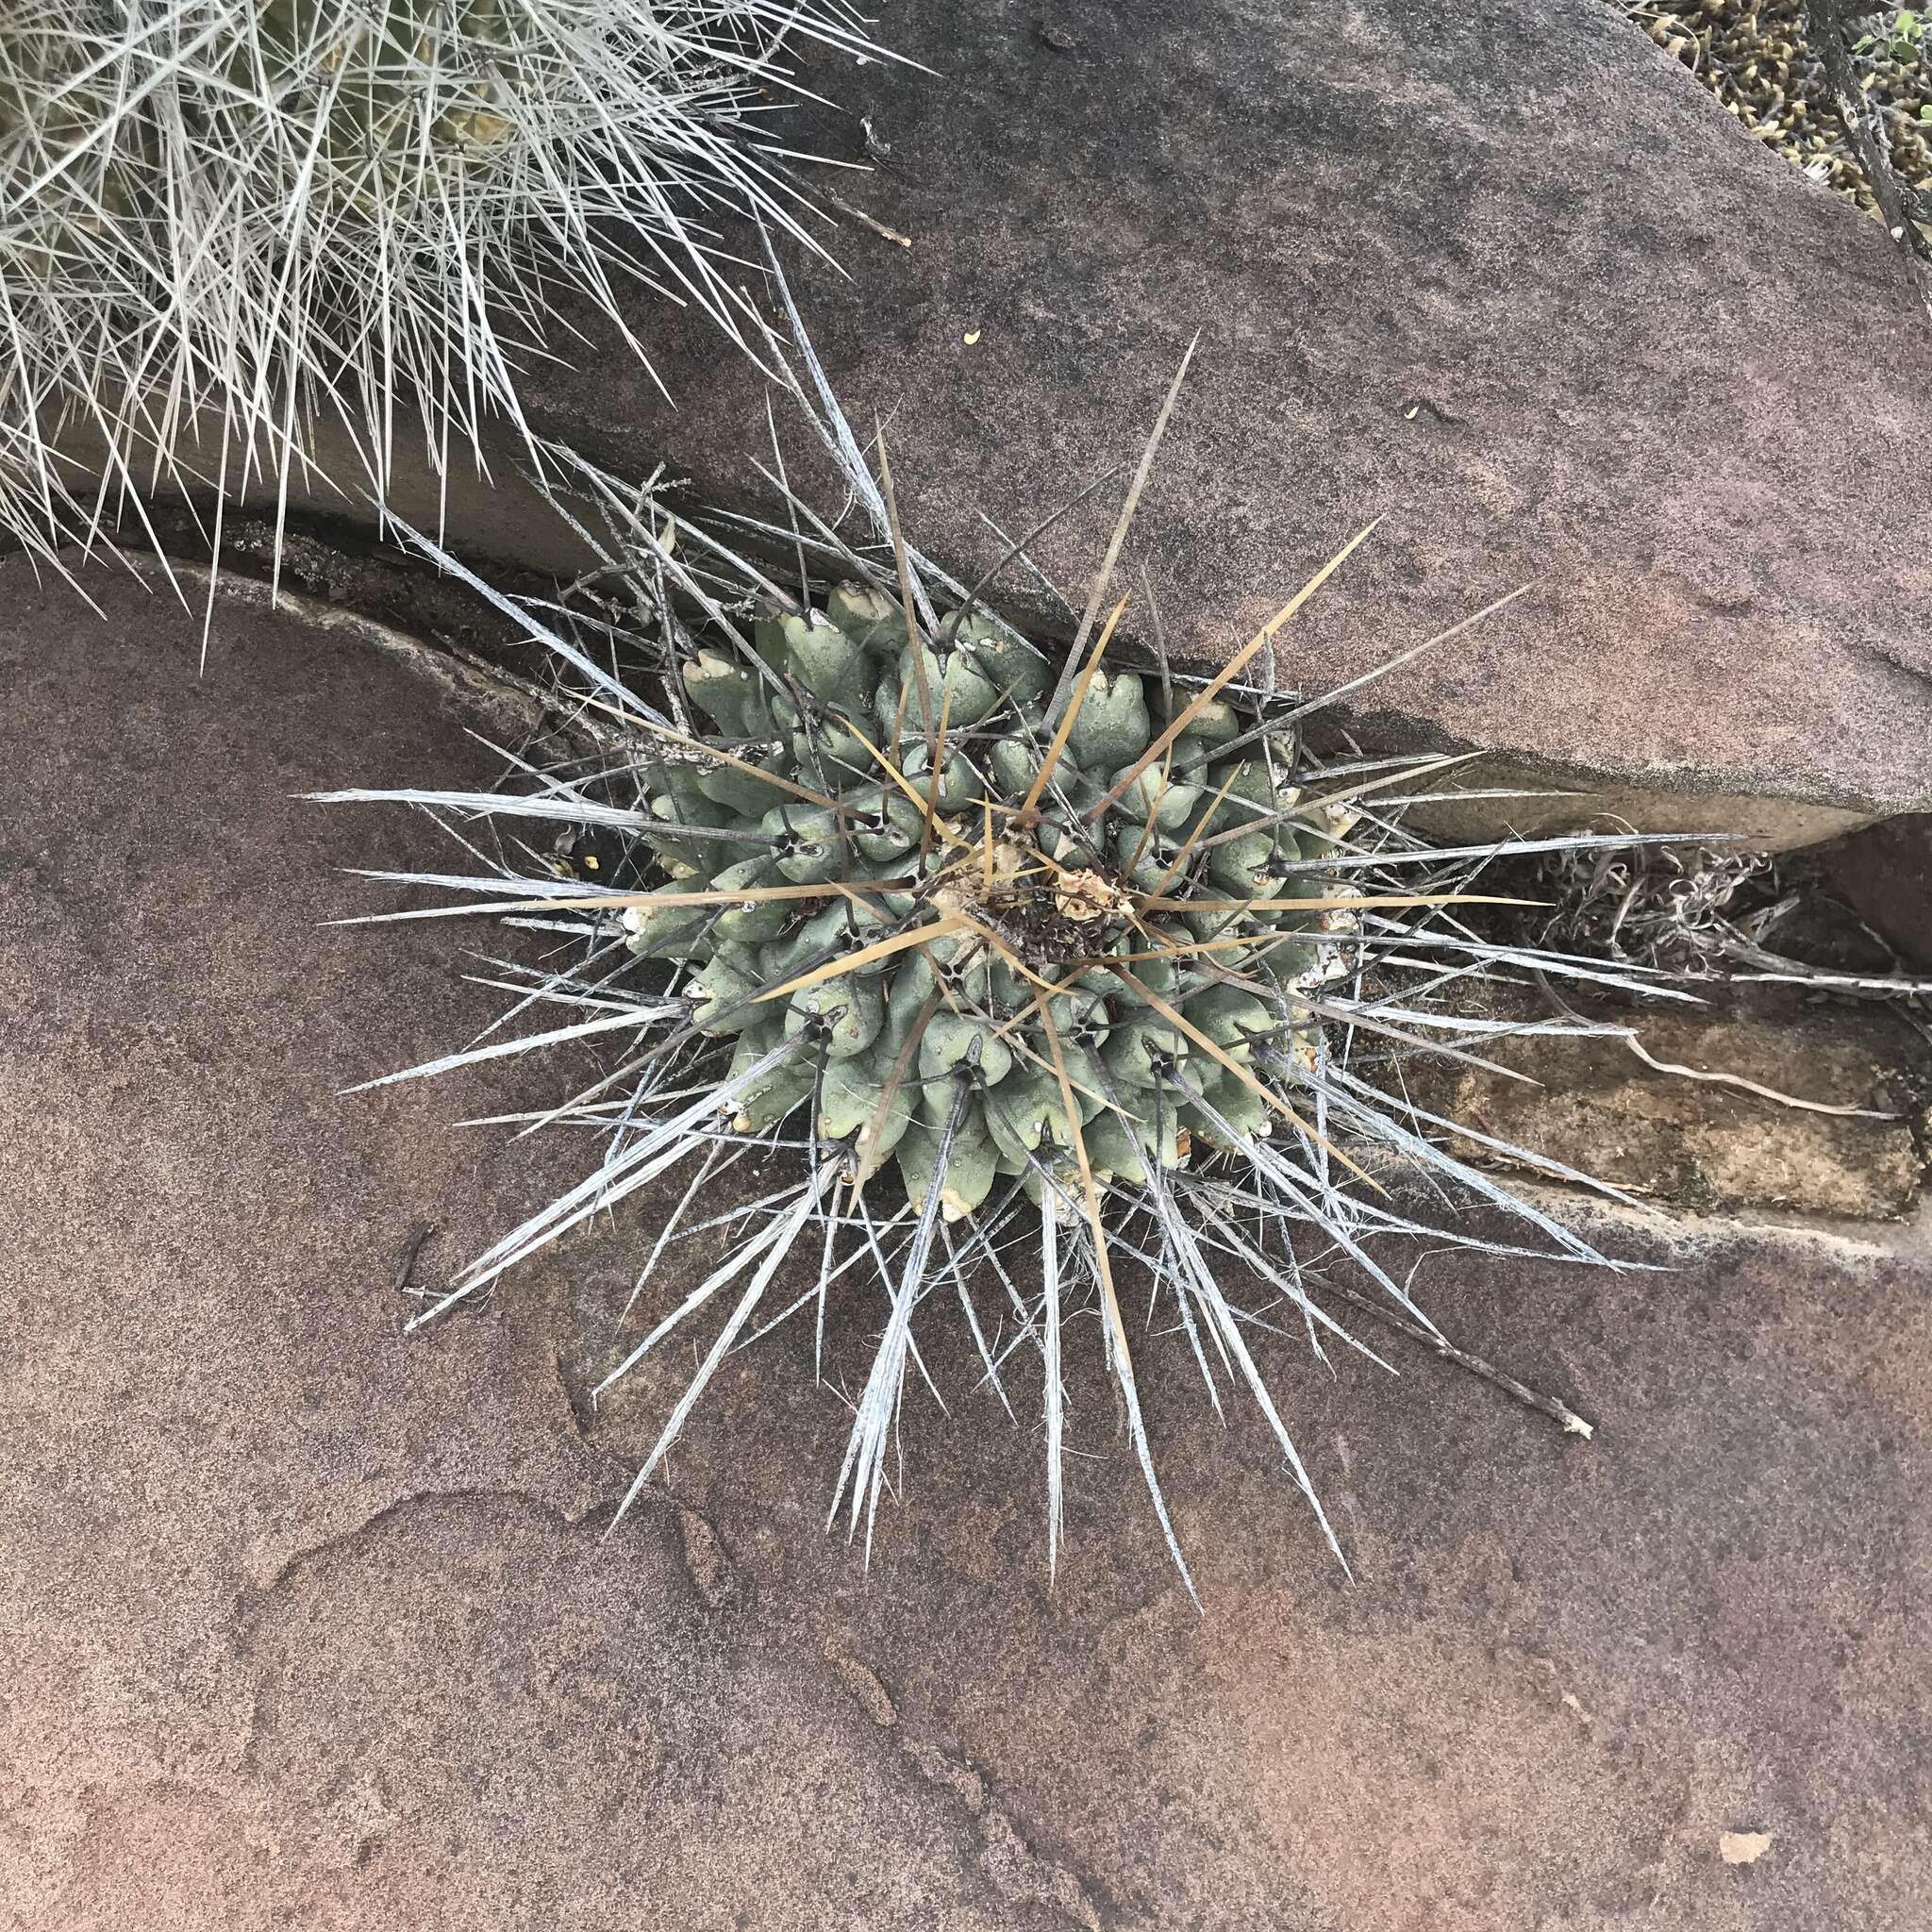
[306, 1624]
[1696, 1139]
[302, 1623]
[1518, 282]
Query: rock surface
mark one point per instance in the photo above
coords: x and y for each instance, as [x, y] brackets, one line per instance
[1845, 1144]
[303, 1625]
[1513, 278]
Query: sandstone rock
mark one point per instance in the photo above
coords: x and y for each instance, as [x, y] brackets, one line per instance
[1517, 281]
[304, 1623]
[1514, 279]
[1695, 1139]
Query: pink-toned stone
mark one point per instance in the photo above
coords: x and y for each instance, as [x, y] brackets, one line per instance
[303, 1625]
[1513, 278]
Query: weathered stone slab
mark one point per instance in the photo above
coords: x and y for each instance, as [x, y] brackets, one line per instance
[296, 1625]
[1513, 278]
[1842, 1146]
[303, 1624]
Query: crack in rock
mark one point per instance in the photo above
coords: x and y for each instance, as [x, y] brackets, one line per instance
[1013, 1869]
[708, 1565]
[869, 1694]
[1016, 1873]
[1021, 1876]
[250, 1609]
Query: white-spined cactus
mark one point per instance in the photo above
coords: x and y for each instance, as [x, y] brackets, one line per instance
[222, 221]
[857, 880]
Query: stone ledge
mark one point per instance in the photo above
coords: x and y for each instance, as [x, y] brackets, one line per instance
[301, 1625]
[1514, 278]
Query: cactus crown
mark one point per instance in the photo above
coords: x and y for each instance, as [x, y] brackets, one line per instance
[1008, 944]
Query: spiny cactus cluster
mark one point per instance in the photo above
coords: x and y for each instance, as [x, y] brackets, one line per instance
[1012, 946]
[222, 219]
[1026, 973]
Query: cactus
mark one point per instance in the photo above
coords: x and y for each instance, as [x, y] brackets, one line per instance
[225, 222]
[1014, 945]
[984, 942]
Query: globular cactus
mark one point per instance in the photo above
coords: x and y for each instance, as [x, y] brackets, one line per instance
[1017, 945]
[227, 222]
[977, 940]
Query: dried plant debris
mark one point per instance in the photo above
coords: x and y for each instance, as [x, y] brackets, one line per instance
[224, 221]
[1698, 913]
[1064, 985]
[1691, 911]
[1763, 61]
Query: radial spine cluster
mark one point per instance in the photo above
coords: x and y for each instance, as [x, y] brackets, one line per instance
[1017, 980]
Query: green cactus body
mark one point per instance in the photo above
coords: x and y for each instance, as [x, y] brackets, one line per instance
[1117, 938]
[904, 900]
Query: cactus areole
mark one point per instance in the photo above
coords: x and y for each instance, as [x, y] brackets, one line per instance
[1004, 943]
